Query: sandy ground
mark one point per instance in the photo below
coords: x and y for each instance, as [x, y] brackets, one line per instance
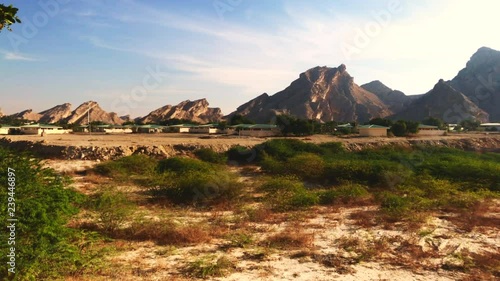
[329, 226]
[110, 140]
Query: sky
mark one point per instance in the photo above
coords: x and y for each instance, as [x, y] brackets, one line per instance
[135, 56]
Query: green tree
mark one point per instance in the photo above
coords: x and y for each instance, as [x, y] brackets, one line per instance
[399, 129]
[240, 119]
[470, 124]
[8, 16]
[412, 127]
[381, 122]
[431, 121]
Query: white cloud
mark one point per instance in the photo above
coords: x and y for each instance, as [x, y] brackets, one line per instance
[18, 57]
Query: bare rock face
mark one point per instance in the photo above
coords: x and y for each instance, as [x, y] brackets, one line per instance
[92, 109]
[394, 99]
[321, 93]
[27, 114]
[445, 103]
[480, 81]
[197, 111]
[55, 114]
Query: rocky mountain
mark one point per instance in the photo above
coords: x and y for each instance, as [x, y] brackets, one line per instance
[197, 111]
[394, 99]
[27, 114]
[445, 103]
[320, 93]
[480, 81]
[81, 115]
[55, 114]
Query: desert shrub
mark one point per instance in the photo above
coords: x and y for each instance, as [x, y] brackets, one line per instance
[124, 167]
[332, 147]
[476, 173]
[45, 248]
[306, 166]
[282, 149]
[393, 205]
[287, 193]
[183, 165]
[199, 188]
[208, 155]
[345, 193]
[241, 154]
[209, 266]
[272, 166]
[113, 208]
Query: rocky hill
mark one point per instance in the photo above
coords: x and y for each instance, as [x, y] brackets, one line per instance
[394, 99]
[27, 114]
[480, 81]
[55, 114]
[197, 111]
[320, 93]
[81, 115]
[445, 103]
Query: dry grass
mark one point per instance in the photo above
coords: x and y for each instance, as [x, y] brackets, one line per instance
[476, 216]
[165, 233]
[290, 238]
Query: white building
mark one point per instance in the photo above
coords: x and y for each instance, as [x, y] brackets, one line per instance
[491, 126]
[8, 130]
[39, 129]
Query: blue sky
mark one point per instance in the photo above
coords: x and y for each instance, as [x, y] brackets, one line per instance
[135, 56]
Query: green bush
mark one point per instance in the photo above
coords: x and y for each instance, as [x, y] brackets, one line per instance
[183, 165]
[345, 193]
[282, 149]
[113, 208]
[395, 206]
[241, 154]
[208, 155]
[306, 166]
[43, 205]
[287, 193]
[198, 187]
[127, 166]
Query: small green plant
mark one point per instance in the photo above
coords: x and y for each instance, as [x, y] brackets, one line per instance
[209, 266]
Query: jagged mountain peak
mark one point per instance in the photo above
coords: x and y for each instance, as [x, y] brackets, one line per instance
[322, 93]
[197, 110]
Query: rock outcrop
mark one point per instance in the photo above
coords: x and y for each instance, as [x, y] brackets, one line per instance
[445, 103]
[27, 114]
[91, 110]
[55, 114]
[198, 111]
[394, 99]
[480, 81]
[320, 93]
